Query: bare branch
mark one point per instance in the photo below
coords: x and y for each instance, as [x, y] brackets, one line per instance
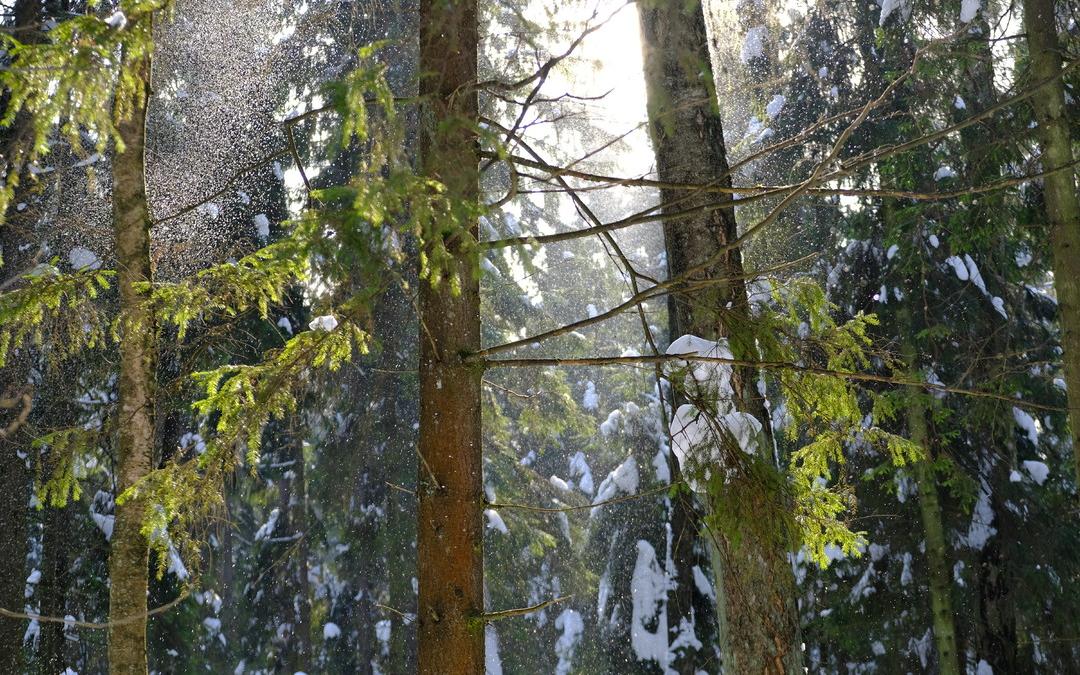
[586, 507]
[523, 611]
[141, 616]
[765, 365]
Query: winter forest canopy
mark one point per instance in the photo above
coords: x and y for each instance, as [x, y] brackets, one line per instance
[539, 336]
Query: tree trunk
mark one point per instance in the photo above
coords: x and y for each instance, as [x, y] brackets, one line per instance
[937, 551]
[54, 585]
[755, 585]
[1059, 190]
[996, 584]
[15, 403]
[293, 507]
[396, 423]
[15, 392]
[129, 557]
[13, 538]
[996, 574]
[937, 554]
[450, 487]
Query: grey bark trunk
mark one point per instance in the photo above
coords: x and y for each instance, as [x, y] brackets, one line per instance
[129, 556]
[996, 584]
[759, 630]
[13, 515]
[54, 585]
[996, 576]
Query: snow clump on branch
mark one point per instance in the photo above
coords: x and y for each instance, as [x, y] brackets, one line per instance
[698, 435]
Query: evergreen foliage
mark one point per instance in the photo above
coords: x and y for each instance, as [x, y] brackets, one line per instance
[901, 331]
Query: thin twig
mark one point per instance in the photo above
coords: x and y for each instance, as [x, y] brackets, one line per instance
[523, 611]
[511, 392]
[765, 365]
[584, 507]
[407, 618]
[400, 488]
[141, 616]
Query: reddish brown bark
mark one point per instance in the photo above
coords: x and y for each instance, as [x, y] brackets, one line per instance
[450, 535]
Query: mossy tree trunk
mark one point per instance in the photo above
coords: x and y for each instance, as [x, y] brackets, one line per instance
[937, 552]
[759, 631]
[450, 631]
[129, 555]
[1059, 190]
[931, 516]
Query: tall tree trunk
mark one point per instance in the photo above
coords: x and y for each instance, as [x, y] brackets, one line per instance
[996, 576]
[15, 405]
[930, 511]
[15, 400]
[1059, 189]
[54, 409]
[996, 583]
[55, 583]
[755, 583]
[937, 553]
[224, 571]
[294, 511]
[129, 557]
[450, 487]
[397, 415]
[13, 535]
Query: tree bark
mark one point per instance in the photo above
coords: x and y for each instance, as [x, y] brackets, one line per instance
[54, 585]
[297, 592]
[15, 496]
[450, 630]
[1059, 193]
[996, 574]
[930, 511]
[996, 582]
[129, 557]
[13, 516]
[759, 629]
[937, 554]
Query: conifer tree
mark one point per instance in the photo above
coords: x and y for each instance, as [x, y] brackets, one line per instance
[755, 586]
[987, 445]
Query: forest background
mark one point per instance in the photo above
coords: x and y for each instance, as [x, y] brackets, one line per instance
[462, 336]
